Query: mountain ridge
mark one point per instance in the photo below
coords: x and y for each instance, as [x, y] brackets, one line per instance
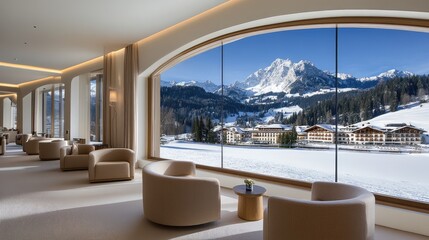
[284, 75]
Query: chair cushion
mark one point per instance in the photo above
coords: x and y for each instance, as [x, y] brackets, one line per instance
[112, 170]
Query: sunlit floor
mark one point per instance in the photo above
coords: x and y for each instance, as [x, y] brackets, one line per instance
[38, 201]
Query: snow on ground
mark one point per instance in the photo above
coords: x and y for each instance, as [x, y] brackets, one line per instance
[287, 112]
[328, 90]
[398, 174]
[415, 114]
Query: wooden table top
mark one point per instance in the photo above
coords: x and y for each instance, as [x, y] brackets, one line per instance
[257, 190]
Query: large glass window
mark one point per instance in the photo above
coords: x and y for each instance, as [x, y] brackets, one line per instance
[334, 103]
[52, 98]
[96, 107]
[381, 140]
[47, 111]
[192, 110]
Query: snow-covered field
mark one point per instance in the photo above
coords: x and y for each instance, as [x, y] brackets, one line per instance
[403, 175]
[416, 114]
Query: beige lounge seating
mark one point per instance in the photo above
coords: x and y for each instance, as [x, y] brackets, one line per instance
[336, 212]
[12, 136]
[31, 147]
[21, 139]
[111, 164]
[174, 196]
[50, 150]
[3, 145]
[79, 161]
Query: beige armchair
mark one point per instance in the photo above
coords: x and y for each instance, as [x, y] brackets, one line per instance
[174, 196]
[31, 147]
[79, 161]
[336, 212]
[12, 136]
[111, 164]
[3, 145]
[21, 139]
[50, 150]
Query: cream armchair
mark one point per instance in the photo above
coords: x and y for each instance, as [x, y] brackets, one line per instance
[336, 212]
[3, 145]
[31, 147]
[77, 161]
[174, 196]
[22, 139]
[50, 150]
[111, 164]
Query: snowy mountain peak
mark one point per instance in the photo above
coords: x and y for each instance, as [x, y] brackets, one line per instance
[392, 73]
[282, 75]
[207, 85]
[395, 73]
[343, 76]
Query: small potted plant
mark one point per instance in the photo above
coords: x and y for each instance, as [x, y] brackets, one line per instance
[249, 184]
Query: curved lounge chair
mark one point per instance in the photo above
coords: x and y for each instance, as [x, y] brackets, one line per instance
[336, 212]
[174, 196]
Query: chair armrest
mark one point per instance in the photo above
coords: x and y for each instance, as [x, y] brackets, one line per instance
[64, 151]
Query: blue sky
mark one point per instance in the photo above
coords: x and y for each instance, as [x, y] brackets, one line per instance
[363, 52]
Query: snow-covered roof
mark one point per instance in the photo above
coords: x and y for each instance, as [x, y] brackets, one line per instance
[327, 127]
[372, 127]
[236, 129]
[274, 126]
[300, 129]
[407, 126]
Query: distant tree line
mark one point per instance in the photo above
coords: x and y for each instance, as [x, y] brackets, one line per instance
[202, 130]
[180, 106]
[287, 139]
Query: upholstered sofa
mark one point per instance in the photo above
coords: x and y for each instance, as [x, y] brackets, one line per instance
[111, 164]
[174, 196]
[336, 212]
[77, 160]
[50, 150]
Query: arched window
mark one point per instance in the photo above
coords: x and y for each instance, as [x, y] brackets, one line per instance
[310, 103]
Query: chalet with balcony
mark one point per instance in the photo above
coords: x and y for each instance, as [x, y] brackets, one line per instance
[369, 135]
[404, 135]
[321, 133]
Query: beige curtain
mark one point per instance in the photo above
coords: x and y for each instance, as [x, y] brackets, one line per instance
[108, 73]
[130, 78]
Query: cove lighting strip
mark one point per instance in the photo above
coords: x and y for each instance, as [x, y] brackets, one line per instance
[27, 67]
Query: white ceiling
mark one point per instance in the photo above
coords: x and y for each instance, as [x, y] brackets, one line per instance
[58, 34]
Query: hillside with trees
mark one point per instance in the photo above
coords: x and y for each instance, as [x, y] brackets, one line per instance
[357, 106]
[184, 109]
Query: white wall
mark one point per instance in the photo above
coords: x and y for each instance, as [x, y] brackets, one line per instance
[74, 107]
[26, 114]
[79, 104]
[39, 111]
[7, 113]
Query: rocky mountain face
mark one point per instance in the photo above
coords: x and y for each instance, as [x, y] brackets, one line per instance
[285, 76]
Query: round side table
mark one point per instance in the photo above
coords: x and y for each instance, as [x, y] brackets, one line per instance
[250, 203]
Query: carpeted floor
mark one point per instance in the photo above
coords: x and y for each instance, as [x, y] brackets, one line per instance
[38, 201]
